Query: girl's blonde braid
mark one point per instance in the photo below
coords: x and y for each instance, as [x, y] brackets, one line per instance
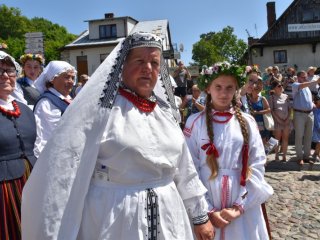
[211, 159]
[244, 128]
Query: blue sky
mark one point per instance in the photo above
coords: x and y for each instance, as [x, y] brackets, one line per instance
[187, 19]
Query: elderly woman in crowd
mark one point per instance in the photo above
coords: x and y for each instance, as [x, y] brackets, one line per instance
[121, 169]
[17, 136]
[55, 83]
[26, 91]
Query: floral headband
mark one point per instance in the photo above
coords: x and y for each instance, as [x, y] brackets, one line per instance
[30, 56]
[208, 74]
[254, 68]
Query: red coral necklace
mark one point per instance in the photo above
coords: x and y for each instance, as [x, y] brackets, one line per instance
[142, 104]
[11, 113]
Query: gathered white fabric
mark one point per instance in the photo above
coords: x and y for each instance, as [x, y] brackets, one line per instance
[52, 70]
[17, 66]
[54, 195]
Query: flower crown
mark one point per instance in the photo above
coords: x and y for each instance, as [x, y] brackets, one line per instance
[208, 74]
[253, 68]
[30, 56]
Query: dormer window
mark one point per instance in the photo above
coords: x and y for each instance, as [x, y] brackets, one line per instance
[108, 31]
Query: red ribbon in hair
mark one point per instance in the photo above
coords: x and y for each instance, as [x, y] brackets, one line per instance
[211, 149]
[245, 157]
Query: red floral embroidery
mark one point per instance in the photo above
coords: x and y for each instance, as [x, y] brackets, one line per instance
[12, 113]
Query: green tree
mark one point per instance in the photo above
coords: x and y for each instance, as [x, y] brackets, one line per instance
[11, 22]
[14, 26]
[218, 46]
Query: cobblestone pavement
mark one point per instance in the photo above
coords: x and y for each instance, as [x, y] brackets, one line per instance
[294, 209]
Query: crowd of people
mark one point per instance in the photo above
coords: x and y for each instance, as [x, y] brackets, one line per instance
[291, 99]
[111, 161]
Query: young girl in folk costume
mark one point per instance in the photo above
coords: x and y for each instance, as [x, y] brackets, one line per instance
[26, 91]
[229, 156]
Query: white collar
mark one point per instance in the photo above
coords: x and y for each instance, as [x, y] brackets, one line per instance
[7, 104]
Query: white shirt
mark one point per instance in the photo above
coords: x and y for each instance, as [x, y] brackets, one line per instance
[7, 104]
[138, 151]
[47, 117]
[313, 88]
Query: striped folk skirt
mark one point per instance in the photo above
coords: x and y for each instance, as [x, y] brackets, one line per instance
[10, 205]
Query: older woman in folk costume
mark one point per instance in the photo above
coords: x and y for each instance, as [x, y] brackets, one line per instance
[17, 136]
[228, 153]
[55, 84]
[121, 168]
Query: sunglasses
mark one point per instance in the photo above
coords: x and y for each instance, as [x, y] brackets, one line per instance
[279, 86]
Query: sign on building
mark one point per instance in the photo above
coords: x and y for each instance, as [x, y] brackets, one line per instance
[34, 43]
[305, 27]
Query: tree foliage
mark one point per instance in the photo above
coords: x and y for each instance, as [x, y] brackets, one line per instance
[14, 26]
[218, 46]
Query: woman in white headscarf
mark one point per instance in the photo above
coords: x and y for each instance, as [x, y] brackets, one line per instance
[121, 168]
[55, 83]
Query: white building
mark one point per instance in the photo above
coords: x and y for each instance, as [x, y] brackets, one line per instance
[88, 51]
[292, 40]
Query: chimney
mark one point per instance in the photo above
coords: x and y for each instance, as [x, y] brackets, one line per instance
[108, 15]
[271, 13]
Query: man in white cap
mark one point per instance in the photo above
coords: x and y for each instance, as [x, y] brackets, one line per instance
[55, 83]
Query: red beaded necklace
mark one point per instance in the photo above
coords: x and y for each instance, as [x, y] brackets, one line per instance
[11, 113]
[142, 104]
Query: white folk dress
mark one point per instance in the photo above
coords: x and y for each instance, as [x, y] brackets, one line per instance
[142, 153]
[225, 189]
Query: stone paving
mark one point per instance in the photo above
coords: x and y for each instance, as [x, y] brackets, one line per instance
[294, 209]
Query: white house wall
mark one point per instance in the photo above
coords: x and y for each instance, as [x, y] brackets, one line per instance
[93, 57]
[299, 55]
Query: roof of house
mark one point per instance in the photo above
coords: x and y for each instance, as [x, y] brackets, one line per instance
[157, 27]
[267, 38]
[103, 19]
[84, 41]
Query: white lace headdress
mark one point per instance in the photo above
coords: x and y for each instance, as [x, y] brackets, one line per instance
[55, 192]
